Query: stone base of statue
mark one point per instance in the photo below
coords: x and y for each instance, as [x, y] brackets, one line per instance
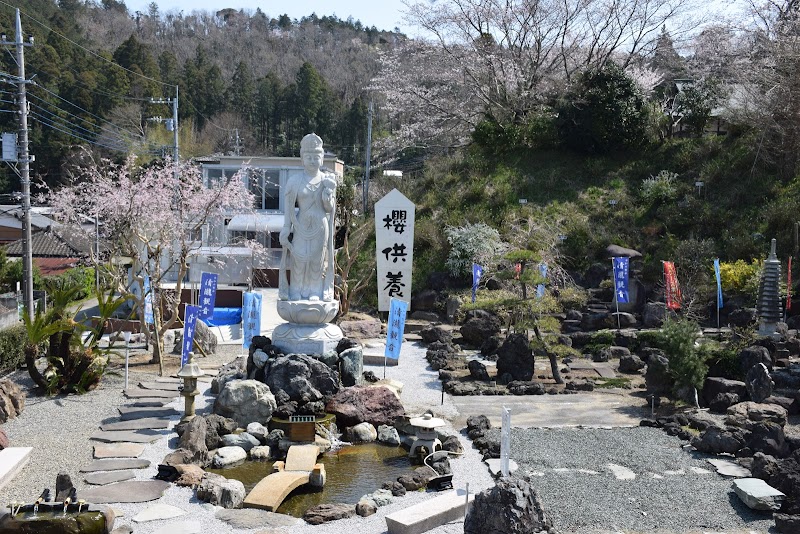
[308, 330]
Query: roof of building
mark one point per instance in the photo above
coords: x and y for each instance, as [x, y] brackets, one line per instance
[54, 243]
[11, 216]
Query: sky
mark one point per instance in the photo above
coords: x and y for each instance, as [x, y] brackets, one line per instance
[383, 14]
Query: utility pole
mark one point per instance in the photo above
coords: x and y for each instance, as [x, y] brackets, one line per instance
[25, 160]
[172, 124]
[369, 158]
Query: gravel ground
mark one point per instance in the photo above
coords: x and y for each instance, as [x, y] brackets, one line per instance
[588, 501]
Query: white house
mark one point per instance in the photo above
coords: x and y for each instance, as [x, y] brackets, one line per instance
[221, 249]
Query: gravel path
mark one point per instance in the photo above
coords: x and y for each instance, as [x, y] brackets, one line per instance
[588, 501]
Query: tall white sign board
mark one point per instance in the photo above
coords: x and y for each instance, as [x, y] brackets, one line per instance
[394, 238]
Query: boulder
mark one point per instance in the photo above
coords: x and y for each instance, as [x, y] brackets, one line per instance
[657, 378]
[246, 401]
[188, 475]
[228, 457]
[417, 479]
[478, 371]
[477, 425]
[366, 507]
[715, 385]
[371, 404]
[723, 401]
[262, 452]
[759, 384]
[518, 387]
[623, 319]
[744, 414]
[653, 314]
[630, 364]
[787, 523]
[217, 426]
[362, 433]
[515, 357]
[361, 329]
[439, 461]
[12, 400]
[234, 370]
[220, 491]
[352, 366]
[243, 440]
[715, 440]
[388, 435]
[480, 328]
[511, 507]
[203, 336]
[302, 378]
[753, 355]
[768, 438]
[743, 317]
[433, 334]
[258, 431]
[424, 300]
[324, 513]
[193, 439]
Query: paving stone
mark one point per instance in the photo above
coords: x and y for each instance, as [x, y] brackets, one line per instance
[108, 477]
[604, 370]
[115, 464]
[129, 491]
[128, 413]
[699, 470]
[133, 436]
[250, 518]
[160, 386]
[621, 472]
[180, 527]
[153, 423]
[118, 450]
[757, 494]
[140, 393]
[158, 511]
[728, 468]
[149, 403]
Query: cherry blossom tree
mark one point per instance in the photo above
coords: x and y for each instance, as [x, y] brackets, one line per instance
[153, 216]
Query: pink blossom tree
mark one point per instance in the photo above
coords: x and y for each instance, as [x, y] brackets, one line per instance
[153, 216]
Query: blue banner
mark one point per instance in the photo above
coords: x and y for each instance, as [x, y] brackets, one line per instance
[543, 274]
[208, 295]
[396, 327]
[251, 317]
[189, 320]
[620, 279]
[477, 272]
[148, 302]
[719, 283]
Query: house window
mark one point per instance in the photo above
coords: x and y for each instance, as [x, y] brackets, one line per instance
[214, 176]
[195, 234]
[265, 239]
[265, 184]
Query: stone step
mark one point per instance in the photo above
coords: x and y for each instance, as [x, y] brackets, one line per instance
[144, 423]
[422, 517]
[151, 394]
[12, 460]
[118, 450]
[133, 436]
[757, 494]
[128, 491]
[101, 478]
[115, 464]
[161, 386]
[128, 413]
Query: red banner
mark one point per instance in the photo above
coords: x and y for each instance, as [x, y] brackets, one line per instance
[672, 293]
[789, 286]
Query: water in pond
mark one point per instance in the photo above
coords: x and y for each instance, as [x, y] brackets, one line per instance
[351, 472]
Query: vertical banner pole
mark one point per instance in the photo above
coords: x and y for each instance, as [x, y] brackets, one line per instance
[505, 441]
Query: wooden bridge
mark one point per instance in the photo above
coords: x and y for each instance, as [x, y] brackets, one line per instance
[300, 468]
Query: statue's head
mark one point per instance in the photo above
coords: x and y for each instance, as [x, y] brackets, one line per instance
[311, 144]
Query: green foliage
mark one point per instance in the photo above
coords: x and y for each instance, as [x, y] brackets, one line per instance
[79, 277]
[740, 277]
[696, 102]
[603, 112]
[610, 383]
[687, 364]
[538, 131]
[471, 243]
[572, 298]
[12, 342]
[659, 188]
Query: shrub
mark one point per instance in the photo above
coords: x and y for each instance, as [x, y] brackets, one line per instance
[473, 243]
[659, 188]
[572, 298]
[740, 277]
[687, 364]
[12, 344]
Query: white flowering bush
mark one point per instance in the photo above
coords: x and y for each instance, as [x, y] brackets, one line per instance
[659, 188]
[472, 243]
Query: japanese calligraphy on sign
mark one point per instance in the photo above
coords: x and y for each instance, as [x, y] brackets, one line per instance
[208, 295]
[620, 279]
[251, 317]
[148, 302]
[189, 321]
[394, 237]
[395, 328]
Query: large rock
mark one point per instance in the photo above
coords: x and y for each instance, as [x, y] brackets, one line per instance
[234, 370]
[217, 426]
[303, 378]
[653, 314]
[361, 329]
[203, 337]
[12, 400]
[246, 401]
[758, 495]
[220, 491]
[193, 439]
[657, 377]
[715, 385]
[759, 384]
[511, 507]
[715, 440]
[478, 371]
[324, 513]
[515, 357]
[434, 334]
[630, 363]
[359, 404]
[228, 457]
[744, 414]
[478, 329]
[753, 355]
[352, 366]
[362, 433]
[243, 440]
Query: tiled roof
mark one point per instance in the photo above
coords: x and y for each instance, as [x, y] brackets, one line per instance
[53, 244]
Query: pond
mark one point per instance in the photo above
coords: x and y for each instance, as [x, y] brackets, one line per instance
[351, 471]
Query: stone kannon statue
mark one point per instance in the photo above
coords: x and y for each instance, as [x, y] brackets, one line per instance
[308, 229]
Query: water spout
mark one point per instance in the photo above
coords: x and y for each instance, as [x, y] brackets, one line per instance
[332, 437]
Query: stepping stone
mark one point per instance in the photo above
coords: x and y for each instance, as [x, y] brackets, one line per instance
[757, 494]
[158, 511]
[115, 464]
[129, 491]
[12, 460]
[180, 527]
[728, 468]
[126, 414]
[169, 380]
[149, 403]
[144, 423]
[150, 394]
[621, 472]
[699, 470]
[137, 436]
[160, 386]
[604, 370]
[429, 514]
[247, 518]
[118, 450]
[583, 365]
[108, 477]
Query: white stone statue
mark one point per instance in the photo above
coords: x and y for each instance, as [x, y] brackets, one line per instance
[308, 229]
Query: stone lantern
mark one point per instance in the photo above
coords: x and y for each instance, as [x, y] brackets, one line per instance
[190, 373]
[425, 427]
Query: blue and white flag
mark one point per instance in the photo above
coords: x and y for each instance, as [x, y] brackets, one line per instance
[148, 302]
[208, 295]
[189, 320]
[543, 274]
[396, 327]
[477, 272]
[620, 279]
[719, 283]
[251, 317]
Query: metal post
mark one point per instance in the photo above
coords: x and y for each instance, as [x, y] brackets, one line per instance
[505, 441]
[175, 153]
[97, 254]
[127, 336]
[369, 158]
